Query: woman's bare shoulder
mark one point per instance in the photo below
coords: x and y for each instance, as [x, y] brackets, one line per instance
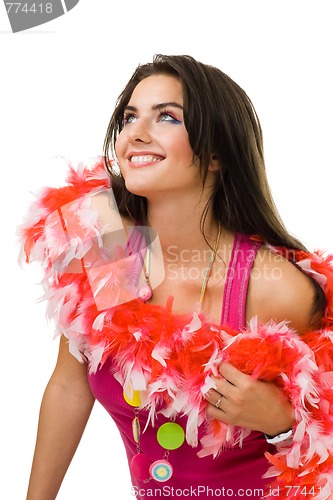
[109, 217]
[280, 291]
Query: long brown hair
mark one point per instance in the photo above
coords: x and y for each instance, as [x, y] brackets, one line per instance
[222, 123]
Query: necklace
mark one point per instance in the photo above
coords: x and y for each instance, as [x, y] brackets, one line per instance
[145, 291]
[170, 435]
[209, 267]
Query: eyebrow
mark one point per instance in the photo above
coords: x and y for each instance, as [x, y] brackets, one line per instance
[162, 105]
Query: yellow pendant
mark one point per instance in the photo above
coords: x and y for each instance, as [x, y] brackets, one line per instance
[135, 400]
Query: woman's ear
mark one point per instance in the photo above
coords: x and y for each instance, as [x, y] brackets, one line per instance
[214, 164]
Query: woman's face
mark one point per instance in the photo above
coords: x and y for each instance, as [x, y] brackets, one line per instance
[153, 149]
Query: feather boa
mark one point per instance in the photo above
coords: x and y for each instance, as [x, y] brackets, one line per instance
[171, 359]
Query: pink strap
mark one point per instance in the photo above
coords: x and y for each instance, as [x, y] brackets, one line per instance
[238, 274]
[136, 245]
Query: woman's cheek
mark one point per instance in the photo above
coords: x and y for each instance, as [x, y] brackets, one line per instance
[120, 144]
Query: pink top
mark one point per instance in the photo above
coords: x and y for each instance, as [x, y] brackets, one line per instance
[236, 472]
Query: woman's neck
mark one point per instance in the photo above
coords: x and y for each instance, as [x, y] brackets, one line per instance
[178, 224]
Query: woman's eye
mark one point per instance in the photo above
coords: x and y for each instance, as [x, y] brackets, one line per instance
[129, 119]
[167, 117]
[163, 117]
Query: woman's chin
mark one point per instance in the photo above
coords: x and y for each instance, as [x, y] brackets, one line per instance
[136, 189]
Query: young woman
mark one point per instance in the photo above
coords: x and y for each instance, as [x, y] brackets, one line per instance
[150, 283]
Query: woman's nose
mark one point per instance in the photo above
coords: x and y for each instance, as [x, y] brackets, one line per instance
[139, 132]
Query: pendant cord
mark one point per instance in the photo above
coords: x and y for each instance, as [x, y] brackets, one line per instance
[209, 267]
[146, 265]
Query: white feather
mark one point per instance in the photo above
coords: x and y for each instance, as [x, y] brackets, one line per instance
[98, 323]
[74, 350]
[208, 384]
[213, 362]
[194, 325]
[137, 335]
[160, 353]
[95, 358]
[138, 379]
[192, 427]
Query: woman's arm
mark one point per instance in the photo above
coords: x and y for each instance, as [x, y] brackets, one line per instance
[64, 412]
[280, 292]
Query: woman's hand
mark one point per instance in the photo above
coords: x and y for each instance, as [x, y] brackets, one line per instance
[242, 401]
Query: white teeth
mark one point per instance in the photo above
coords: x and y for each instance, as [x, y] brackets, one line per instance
[144, 159]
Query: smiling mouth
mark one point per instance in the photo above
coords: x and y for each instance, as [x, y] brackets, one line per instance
[145, 159]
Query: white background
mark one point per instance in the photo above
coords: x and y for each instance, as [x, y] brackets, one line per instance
[58, 86]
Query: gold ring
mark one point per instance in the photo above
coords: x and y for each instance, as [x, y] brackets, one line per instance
[218, 402]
